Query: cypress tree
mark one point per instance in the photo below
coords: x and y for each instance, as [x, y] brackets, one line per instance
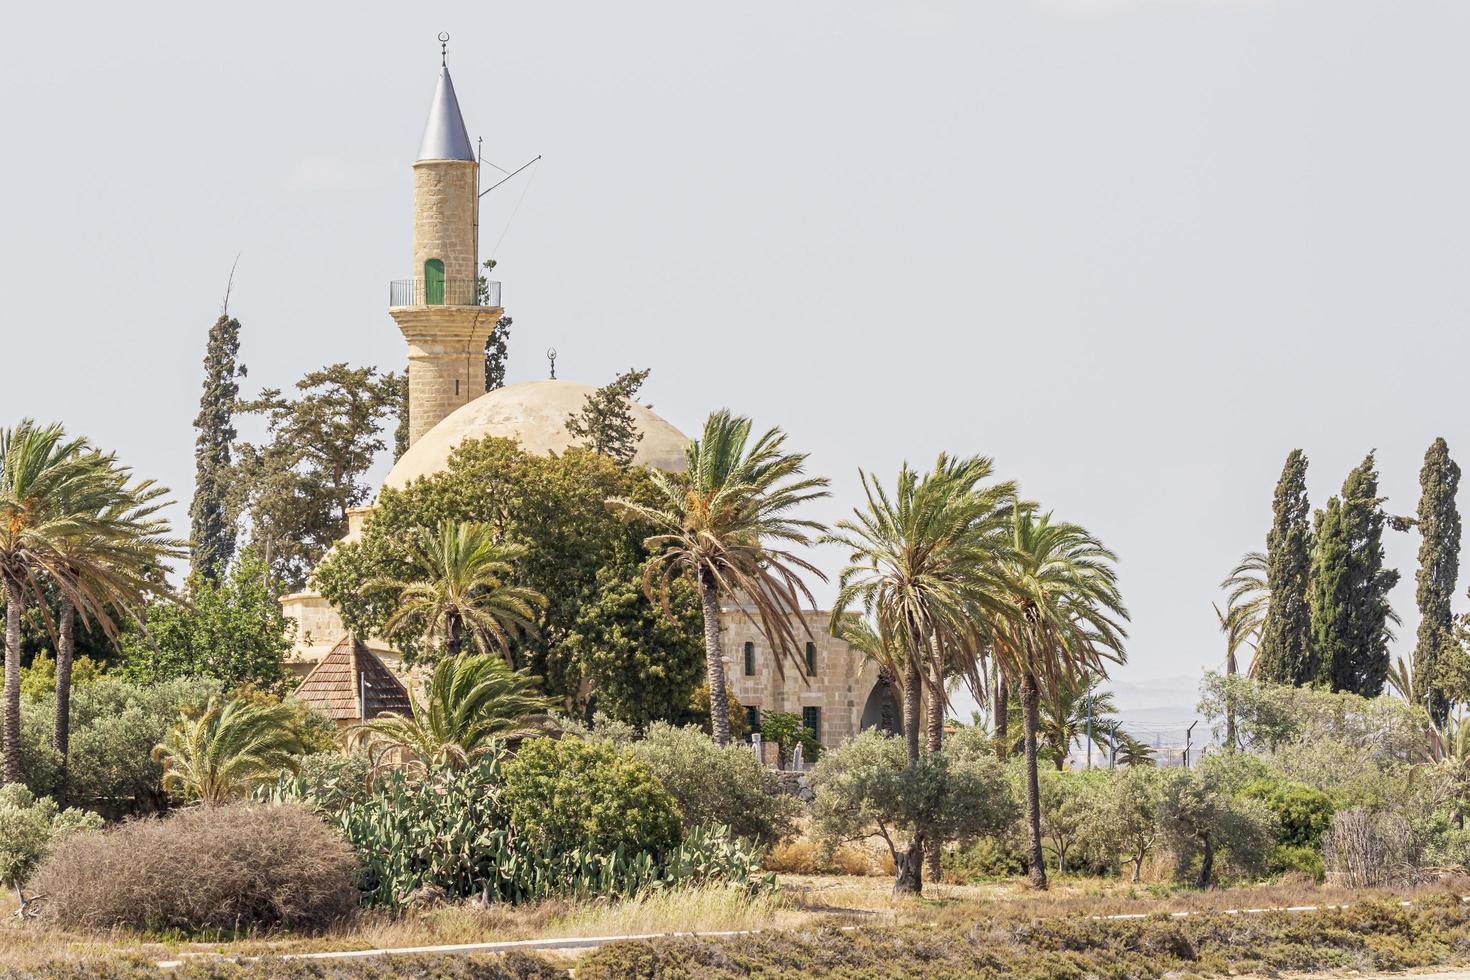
[1350, 608]
[1439, 567]
[1285, 656]
[212, 537]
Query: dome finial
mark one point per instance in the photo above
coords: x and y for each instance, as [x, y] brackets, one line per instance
[443, 49]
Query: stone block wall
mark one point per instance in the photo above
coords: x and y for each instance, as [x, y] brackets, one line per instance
[444, 210]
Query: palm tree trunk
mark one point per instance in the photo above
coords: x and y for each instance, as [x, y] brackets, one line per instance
[453, 634]
[934, 742]
[61, 731]
[1001, 702]
[714, 663]
[12, 682]
[911, 685]
[1029, 699]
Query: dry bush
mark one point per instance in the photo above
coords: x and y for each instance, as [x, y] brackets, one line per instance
[230, 868]
[1363, 848]
[804, 856]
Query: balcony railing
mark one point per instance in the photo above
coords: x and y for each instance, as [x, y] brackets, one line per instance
[443, 292]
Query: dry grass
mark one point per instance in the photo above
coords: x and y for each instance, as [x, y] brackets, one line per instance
[804, 902]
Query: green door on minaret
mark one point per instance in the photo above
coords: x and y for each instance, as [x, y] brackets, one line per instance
[434, 282]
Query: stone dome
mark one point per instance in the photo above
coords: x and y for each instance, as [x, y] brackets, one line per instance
[535, 414]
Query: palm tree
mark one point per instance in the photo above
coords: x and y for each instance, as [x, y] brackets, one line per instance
[1065, 714]
[1407, 683]
[725, 524]
[1447, 751]
[118, 564]
[1246, 605]
[458, 586]
[924, 565]
[886, 652]
[1132, 752]
[471, 703]
[1067, 623]
[223, 752]
[65, 519]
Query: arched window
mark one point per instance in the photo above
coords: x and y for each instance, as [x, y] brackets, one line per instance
[750, 660]
[434, 282]
[811, 660]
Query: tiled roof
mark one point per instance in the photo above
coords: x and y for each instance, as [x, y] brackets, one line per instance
[349, 673]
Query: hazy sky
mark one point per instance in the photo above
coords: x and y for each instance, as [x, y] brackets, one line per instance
[1135, 250]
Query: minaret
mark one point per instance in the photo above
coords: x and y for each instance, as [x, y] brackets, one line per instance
[440, 310]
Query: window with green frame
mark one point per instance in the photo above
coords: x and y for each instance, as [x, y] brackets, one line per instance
[811, 660]
[750, 660]
[811, 720]
[752, 718]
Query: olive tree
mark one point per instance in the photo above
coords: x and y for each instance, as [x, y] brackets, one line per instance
[1204, 820]
[1126, 820]
[868, 788]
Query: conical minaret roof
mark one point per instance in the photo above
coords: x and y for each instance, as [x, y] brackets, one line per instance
[445, 137]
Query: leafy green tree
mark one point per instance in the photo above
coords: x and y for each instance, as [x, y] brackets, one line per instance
[1204, 820]
[925, 564]
[232, 630]
[569, 793]
[471, 703]
[295, 489]
[552, 507]
[1285, 655]
[870, 788]
[1126, 819]
[605, 424]
[457, 588]
[231, 747]
[1069, 806]
[716, 786]
[1439, 569]
[726, 525]
[29, 827]
[213, 529]
[400, 428]
[641, 665]
[1067, 622]
[1303, 815]
[497, 353]
[1351, 614]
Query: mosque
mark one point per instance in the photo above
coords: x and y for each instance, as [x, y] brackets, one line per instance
[446, 319]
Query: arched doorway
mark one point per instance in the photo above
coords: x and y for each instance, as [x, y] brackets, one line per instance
[882, 710]
[434, 282]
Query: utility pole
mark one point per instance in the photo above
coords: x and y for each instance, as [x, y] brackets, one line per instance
[1189, 741]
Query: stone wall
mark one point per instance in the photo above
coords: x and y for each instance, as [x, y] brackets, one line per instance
[445, 204]
[446, 359]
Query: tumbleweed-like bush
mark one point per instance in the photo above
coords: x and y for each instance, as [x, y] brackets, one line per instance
[234, 868]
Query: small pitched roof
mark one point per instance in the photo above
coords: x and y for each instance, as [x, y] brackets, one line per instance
[445, 137]
[352, 684]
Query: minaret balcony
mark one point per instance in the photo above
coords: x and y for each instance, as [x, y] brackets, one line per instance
[444, 292]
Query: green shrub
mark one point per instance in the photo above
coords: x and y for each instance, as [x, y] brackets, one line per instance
[986, 859]
[115, 724]
[452, 830]
[30, 827]
[230, 868]
[564, 794]
[716, 786]
[325, 781]
[785, 730]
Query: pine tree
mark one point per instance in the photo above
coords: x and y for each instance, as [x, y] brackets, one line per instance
[1351, 614]
[1285, 656]
[605, 425]
[1439, 567]
[212, 539]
